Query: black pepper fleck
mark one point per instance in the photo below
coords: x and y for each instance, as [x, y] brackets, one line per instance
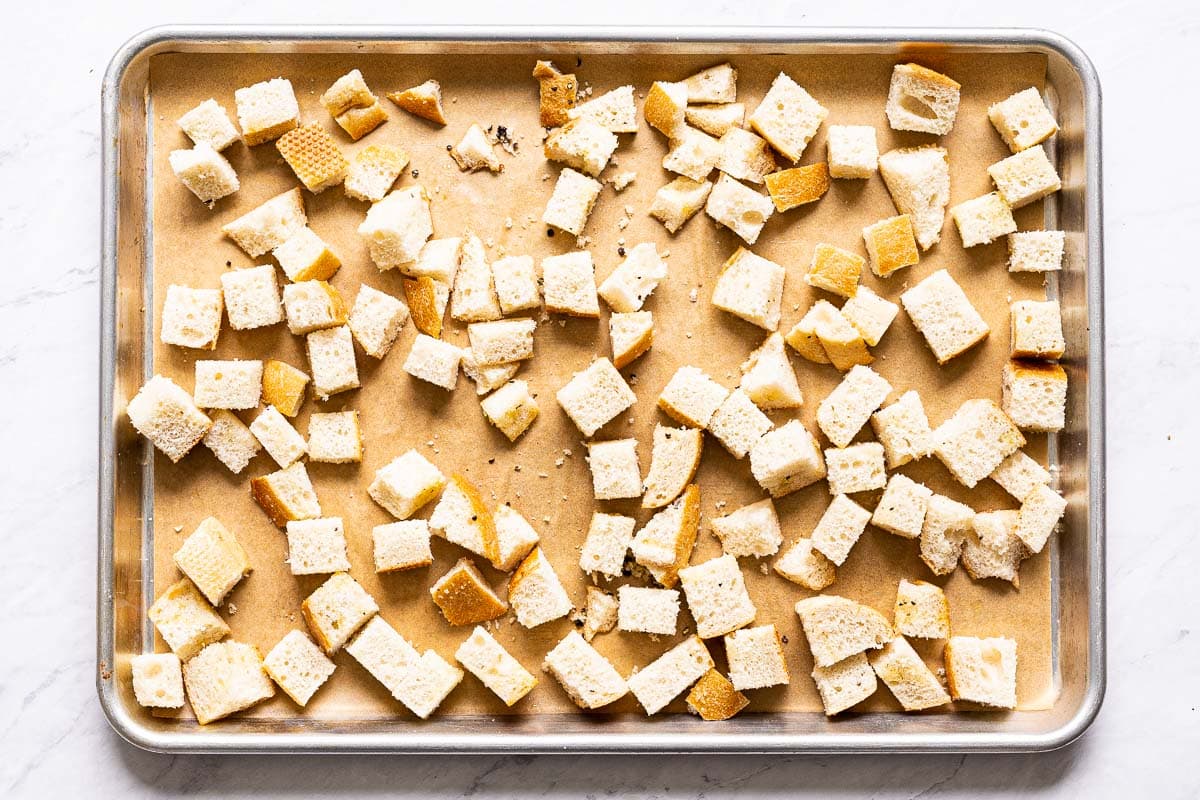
[550, 232]
[491, 461]
[578, 61]
[621, 252]
[416, 173]
[449, 147]
[783, 639]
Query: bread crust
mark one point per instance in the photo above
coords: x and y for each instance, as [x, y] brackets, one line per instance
[796, 187]
[714, 699]
[424, 101]
[464, 598]
[556, 93]
[422, 305]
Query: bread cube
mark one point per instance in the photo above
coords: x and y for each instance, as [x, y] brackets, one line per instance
[424, 101]
[298, 666]
[744, 156]
[401, 545]
[601, 613]
[920, 99]
[982, 670]
[947, 523]
[569, 284]
[630, 335]
[664, 544]
[738, 423]
[226, 677]
[940, 310]
[976, 438]
[334, 438]
[373, 171]
[252, 297]
[384, 653]
[1034, 395]
[185, 620]
[212, 558]
[716, 595]
[756, 658]
[427, 301]
[511, 408]
[739, 208]
[587, 677]
[397, 227]
[788, 117]
[1023, 120]
[837, 628]
[486, 659]
[582, 144]
[751, 287]
[839, 529]
[434, 361]
[907, 677]
[1025, 177]
[209, 123]
[1037, 329]
[869, 314]
[804, 565]
[166, 415]
[922, 610]
[231, 441]
[352, 105]
[714, 699]
[635, 279]
[515, 537]
[536, 594]
[983, 220]
[462, 518]
[691, 397]
[842, 414]
[673, 461]
[427, 682]
[376, 320]
[835, 270]
[644, 610]
[901, 509]
[693, 154]
[857, 468]
[286, 495]
[557, 93]
[304, 256]
[595, 396]
[918, 179]
[267, 110]
[157, 680]
[991, 549]
[336, 610]
[608, 539]
[475, 151]
[1039, 515]
[405, 484]
[678, 201]
[191, 317]
[1018, 474]
[713, 85]
[891, 244]
[665, 106]
[1036, 251]
[571, 202]
[266, 227]
[331, 359]
[474, 298]
[751, 530]
[825, 335]
[903, 430]
[487, 377]
[205, 172]
[439, 258]
[314, 156]
[283, 387]
[317, 546]
[501, 341]
[798, 186]
[716, 119]
[668, 676]
[786, 459]
[615, 471]
[852, 151]
[614, 110]
[311, 306]
[464, 597]
[516, 283]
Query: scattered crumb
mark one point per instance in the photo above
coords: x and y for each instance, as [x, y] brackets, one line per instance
[560, 462]
[489, 242]
[762, 567]
[629, 211]
[231, 608]
[694, 294]
[178, 528]
[622, 179]
[720, 504]
[567, 452]
[508, 223]
[543, 475]
[622, 223]
[516, 467]
[583, 242]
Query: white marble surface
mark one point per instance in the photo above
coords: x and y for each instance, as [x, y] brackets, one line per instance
[55, 740]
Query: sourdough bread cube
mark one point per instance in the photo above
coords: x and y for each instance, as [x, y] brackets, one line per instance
[487, 660]
[376, 320]
[185, 620]
[311, 306]
[213, 560]
[231, 441]
[842, 414]
[571, 203]
[768, 378]
[983, 220]
[191, 317]
[716, 119]
[743, 155]
[502, 341]
[903, 430]
[157, 680]
[569, 284]
[423, 100]
[400, 546]
[336, 610]
[252, 297]
[462, 518]
[918, 179]
[713, 85]
[384, 653]
[839, 529]
[608, 539]
[992, 549]
[209, 123]
[266, 110]
[901, 509]
[644, 610]
[283, 387]
[557, 93]
[982, 670]
[665, 542]
[857, 468]
[615, 110]
[434, 361]
[844, 684]
[314, 156]
[515, 537]
[464, 597]
[317, 546]
[691, 397]
[286, 495]
[266, 227]
[1023, 120]
[1036, 251]
[940, 310]
[331, 359]
[587, 677]
[474, 298]
[630, 335]
[166, 415]
[852, 151]
[976, 438]
[595, 396]
[515, 279]
[739, 208]
[583, 144]
[1025, 177]
[487, 378]
[804, 565]
[755, 658]
[920, 99]
[788, 117]
[786, 459]
[869, 314]
[397, 227]
[835, 270]
[226, 677]
[373, 171]
[353, 106]
[673, 461]
[1018, 474]
[1037, 329]
[304, 256]
[1034, 395]
[635, 279]
[751, 287]
[229, 384]
[838, 628]
[907, 677]
[511, 408]
[601, 614]
[205, 172]
[298, 666]
[714, 699]
[475, 151]
[615, 471]
[439, 259]
[738, 423]
[678, 201]
[798, 186]
[427, 682]
[751, 530]
[536, 594]
[665, 106]
[405, 484]
[947, 523]
[922, 610]
[891, 244]
[716, 595]
[1039, 515]
[670, 675]
[693, 154]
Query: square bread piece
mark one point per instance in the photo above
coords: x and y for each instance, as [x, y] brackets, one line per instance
[474, 297]
[209, 123]
[397, 227]
[595, 396]
[438, 259]
[475, 151]
[266, 227]
[803, 336]
[464, 597]
[427, 682]
[907, 677]
[983, 220]
[311, 306]
[185, 620]
[376, 320]
[1023, 120]
[691, 397]
[716, 119]
[231, 441]
[266, 110]
[891, 244]
[205, 172]
[298, 666]
[901, 509]
[768, 378]
[405, 484]
[615, 471]
[673, 461]
[383, 653]
[515, 279]
[571, 203]
[587, 677]
[982, 670]
[716, 595]
[434, 361]
[607, 542]
[1034, 395]
[336, 610]
[600, 616]
[790, 188]
[157, 680]
[714, 699]
[992, 550]
[352, 105]
[693, 154]
[1018, 474]
[643, 610]
[869, 314]
[837, 628]
[423, 100]
[314, 156]
[744, 156]
[536, 594]
[615, 110]
[331, 361]
[283, 387]
[373, 171]
[903, 430]
[252, 297]
[212, 558]
[752, 530]
[713, 85]
[501, 341]
[976, 438]
[511, 408]
[226, 677]
[1037, 329]
[920, 99]
[738, 424]
[583, 144]
[845, 683]
[286, 495]
[843, 413]
[635, 278]
[755, 658]
[230, 385]
[802, 564]
[940, 310]
[852, 151]
[918, 179]
[1039, 515]
[557, 93]
[839, 529]
[947, 524]
[630, 335]
[461, 517]
[751, 287]
[281, 440]
[191, 317]
[739, 208]
[487, 660]
[569, 284]
[1036, 251]
[922, 610]
[835, 270]
[664, 544]
[857, 468]
[400, 546]
[665, 106]
[788, 117]
[487, 378]
[317, 546]
[1025, 177]
[304, 256]
[678, 201]
[786, 459]
[166, 415]
[670, 675]
[334, 438]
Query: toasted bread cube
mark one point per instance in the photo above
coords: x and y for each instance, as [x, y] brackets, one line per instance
[947, 523]
[918, 179]
[157, 680]
[615, 471]
[226, 677]
[1036, 251]
[601, 614]
[475, 152]
[635, 279]
[486, 659]
[314, 157]
[502, 341]
[670, 675]
[401, 545]
[1023, 119]
[714, 699]
[901, 509]
[252, 297]
[474, 298]
[317, 546]
[891, 244]
[1037, 329]
[588, 678]
[788, 117]
[798, 186]
[205, 172]
[608, 539]
[487, 377]
[716, 595]
[751, 287]
[839, 529]
[191, 317]
[434, 361]
[922, 610]
[464, 597]
[665, 106]
[557, 93]
[353, 106]
[516, 284]
[334, 438]
[991, 549]
[841, 342]
[374, 170]
[786, 459]
[942, 313]
[614, 110]
[630, 335]
[644, 610]
[1034, 395]
[460, 517]
[376, 320]
[803, 336]
[405, 484]
[1039, 515]
[427, 301]
[691, 397]
[756, 658]
[569, 284]
[713, 85]
[678, 201]
[751, 530]
[739, 208]
[231, 441]
[920, 99]
[664, 544]
[424, 101]
[535, 592]
[336, 610]
[982, 670]
[266, 227]
[209, 123]
[427, 682]
[907, 677]
[286, 495]
[515, 538]
[595, 396]
[976, 438]
[673, 462]
[298, 666]
[857, 468]
[852, 151]
[842, 414]
[384, 653]
[804, 565]
[1025, 177]
[304, 256]
[1018, 474]
[693, 154]
[738, 423]
[267, 110]
[903, 430]
[983, 220]
[582, 144]
[185, 620]
[745, 156]
[331, 359]
[511, 408]
[837, 628]
[835, 270]
[166, 415]
[311, 306]
[717, 119]
[397, 227]
[869, 314]
[283, 387]
[571, 203]
[212, 558]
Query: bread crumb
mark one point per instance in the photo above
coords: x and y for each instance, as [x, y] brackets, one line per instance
[559, 462]
[762, 567]
[622, 179]
[622, 223]
[489, 242]
[508, 223]
[567, 452]
[720, 504]
[231, 608]
[178, 528]
[694, 294]
[543, 475]
[583, 242]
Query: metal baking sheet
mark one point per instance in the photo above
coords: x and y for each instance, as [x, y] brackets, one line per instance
[1076, 563]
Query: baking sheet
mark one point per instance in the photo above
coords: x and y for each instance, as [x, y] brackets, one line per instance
[399, 412]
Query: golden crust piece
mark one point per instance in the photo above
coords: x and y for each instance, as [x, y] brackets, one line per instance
[666, 106]
[314, 156]
[714, 698]
[424, 101]
[689, 526]
[283, 387]
[464, 597]
[482, 516]
[421, 294]
[835, 270]
[892, 244]
[557, 93]
[795, 187]
[353, 106]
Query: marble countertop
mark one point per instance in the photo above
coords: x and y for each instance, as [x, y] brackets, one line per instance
[57, 742]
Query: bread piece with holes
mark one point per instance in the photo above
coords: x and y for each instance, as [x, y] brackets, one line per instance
[502, 341]
[536, 594]
[405, 484]
[464, 597]
[1039, 515]
[157, 680]
[992, 549]
[1018, 474]
[673, 461]
[608, 539]
[283, 387]
[595, 396]
[1036, 329]
[940, 310]
[167, 416]
[751, 530]
[434, 361]
[231, 385]
[269, 225]
[334, 438]
[852, 151]
[891, 244]
[903, 430]
[1034, 395]
[212, 558]
[798, 186]
[804, 565]
[922, 610]
[768, 378]
[920, 99]
[747, 157]
[440, 258]
[751, 287]
[678, 201]
[209, 123]
[487, 377]
[331, 360]
[314, 157]
[739, 208]
[226, 677]
[423, 100]
[569, 284]
[717, 84]
[691, 397]
[286, 495]
[755, 658]
[983, 219]
[857, 468]
[336, 610]
[643, 610]
[844, 684]
[252, 297]
[1036, 251]
[1025, 177]
[475, 151]
[474, 298]
[191, 317]
[352, 105]
[400, 546]
[515, 279]
[266, 110]
[557, 94]
[511, 408]
[205, 172]
[317, 546]
[635, 279]
[788, 117]
[231, 441]
[1023, 120]
[982, 670]
[601, 613]
[918, 179]
[714, 699]
[975, 439]
[461, 517]
[716, 595]
[837, 628]
[664, 544]
[373, 171]
[835, 270]
[630, 335]
[311, 306]
[786, 459]
[665, 106]
[515, 537]
[397, 227]
[906, 676]
[869, 314]
[901, 509]
[304, 256]
[842, 414]
[738, 423]
[487, 660]
[693, 154]
[376, 320]
[383, 652]
[716, 119]
[839, 529]
[944, 532]
[670, 675]
[571, 203]
[615, 471]
[185, 620]
[298, 666]
[615, 110]
[588, 678]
